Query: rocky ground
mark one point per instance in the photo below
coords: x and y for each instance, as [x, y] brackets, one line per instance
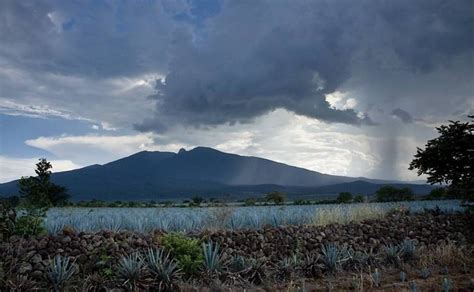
[89, 251]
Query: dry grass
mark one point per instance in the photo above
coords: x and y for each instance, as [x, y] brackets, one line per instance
[348, 213]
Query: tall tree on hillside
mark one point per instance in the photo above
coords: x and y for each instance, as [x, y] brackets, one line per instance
[39, 191]
[449, 159]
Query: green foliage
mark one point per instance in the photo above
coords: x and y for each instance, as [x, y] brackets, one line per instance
[250, 202]
[392, 194]
[344, 197]
[359, 199]
[29, 225]
[197, 201]
[449, 159]
[39, 192]
[438, 194]
[187, 251]
[276, 197]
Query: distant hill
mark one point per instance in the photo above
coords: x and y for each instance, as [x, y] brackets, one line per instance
[201, 171]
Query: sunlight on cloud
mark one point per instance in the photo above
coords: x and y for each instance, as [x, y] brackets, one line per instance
[14, 168]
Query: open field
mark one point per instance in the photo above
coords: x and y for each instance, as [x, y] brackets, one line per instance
[195, 219]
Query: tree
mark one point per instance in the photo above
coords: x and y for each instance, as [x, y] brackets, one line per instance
[197, 201]
[436, 194]
[40, 192]
[344, 197]
[391, 194]
[359, 199]
[276, 197]
[449, 159]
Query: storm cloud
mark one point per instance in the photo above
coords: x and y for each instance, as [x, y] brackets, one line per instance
[257, 56]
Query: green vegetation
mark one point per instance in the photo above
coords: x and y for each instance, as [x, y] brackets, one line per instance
[277, 198]
[393, 194]
[344, 197]
[449, 159]
[187, 251]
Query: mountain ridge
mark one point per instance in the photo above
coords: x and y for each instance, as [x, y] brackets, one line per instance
[199, 171]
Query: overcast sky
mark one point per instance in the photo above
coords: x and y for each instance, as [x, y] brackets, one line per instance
[339, 86]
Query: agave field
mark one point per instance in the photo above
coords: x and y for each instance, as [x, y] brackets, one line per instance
[144, 220]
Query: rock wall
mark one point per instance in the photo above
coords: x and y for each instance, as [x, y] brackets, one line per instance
[93, 251]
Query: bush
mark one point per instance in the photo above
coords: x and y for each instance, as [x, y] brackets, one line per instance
[276, 197]
[391, 194]
[29, 225]
[359, 199]
[344, 197]
[187, 251]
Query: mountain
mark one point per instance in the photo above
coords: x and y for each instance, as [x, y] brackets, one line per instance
[200, 171]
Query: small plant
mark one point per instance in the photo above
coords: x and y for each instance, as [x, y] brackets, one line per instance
[425, 272]
[255, 272]
[403, 276]
[446, 285]
[162, 267]
[408, 249]
[444, 270]
[311, 265]
[391, 254]
[333, 256]
[21, 283]
[288, 266]
[60, 272]
[237, 263]
[212, 257]
[412, 286]
[130, 270]
[376, 278]
[185, 250]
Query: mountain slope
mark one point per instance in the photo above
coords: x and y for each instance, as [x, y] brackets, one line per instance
[201, 171]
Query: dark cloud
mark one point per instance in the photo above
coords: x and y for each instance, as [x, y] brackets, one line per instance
[99, 38]
[404, 116]
[256, 56]
[232, 61]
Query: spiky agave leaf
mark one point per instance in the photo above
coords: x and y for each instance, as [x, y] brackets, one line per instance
[162, 267]
[212, 257]
[60, 271]
[333, 256]
[131, 269]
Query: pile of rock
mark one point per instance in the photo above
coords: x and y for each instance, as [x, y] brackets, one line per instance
[276, 243]
[88, 249]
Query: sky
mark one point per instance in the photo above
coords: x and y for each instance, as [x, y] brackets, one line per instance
[338, 86]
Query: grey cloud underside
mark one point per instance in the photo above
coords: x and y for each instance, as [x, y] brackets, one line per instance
[259, 56]
[251, 57]
[404, 116]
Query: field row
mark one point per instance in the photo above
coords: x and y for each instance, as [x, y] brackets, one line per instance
[144, 220]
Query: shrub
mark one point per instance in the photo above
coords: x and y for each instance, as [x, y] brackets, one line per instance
[344, 197]
[60, 272]
[359, 199]
[185, 250]
[391, 194]
[29, 225]
[276, 197]
[250, 202]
